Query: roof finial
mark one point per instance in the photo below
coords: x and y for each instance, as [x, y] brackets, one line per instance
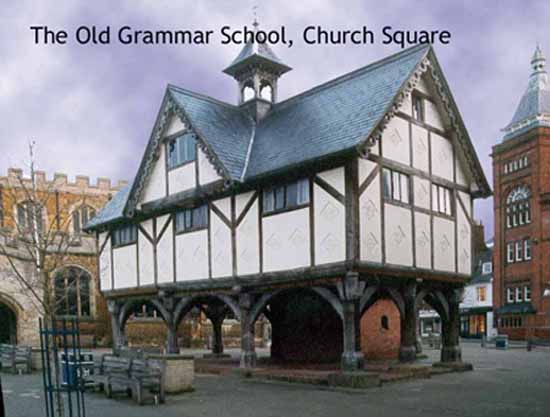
[255, 13]
[538, 61]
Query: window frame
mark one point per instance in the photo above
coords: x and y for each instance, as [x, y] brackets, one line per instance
[417, 99]
[176, 140]
[510, 250]
[519, 294]
[66, 289]
[116, 240]
[275, 198]
[527, 293]
[188, 215]
[510, 295]
[486, 271]
[437, 202]
[396, 184]
[90, 214]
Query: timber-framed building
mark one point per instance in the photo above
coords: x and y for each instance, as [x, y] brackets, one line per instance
[307, 211]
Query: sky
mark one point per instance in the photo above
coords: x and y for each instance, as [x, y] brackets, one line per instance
[90, 108]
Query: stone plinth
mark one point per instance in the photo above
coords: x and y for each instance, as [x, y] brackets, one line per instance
[179, 372]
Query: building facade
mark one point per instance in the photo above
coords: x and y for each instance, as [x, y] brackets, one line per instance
[307, 212]
[521, 170]
[476, 308]
[65, 208]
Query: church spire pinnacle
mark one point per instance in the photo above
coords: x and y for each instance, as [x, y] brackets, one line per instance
[538, 62]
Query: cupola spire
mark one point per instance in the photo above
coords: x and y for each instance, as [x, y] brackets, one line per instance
[534, 108]
[257, 70]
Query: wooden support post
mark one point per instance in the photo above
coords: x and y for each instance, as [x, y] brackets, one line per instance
[248, 354]
[350, 291]
[450, 351]
[407, 350]
[117, 331]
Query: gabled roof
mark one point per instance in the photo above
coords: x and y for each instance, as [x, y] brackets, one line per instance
[534, 107]
[342, 115]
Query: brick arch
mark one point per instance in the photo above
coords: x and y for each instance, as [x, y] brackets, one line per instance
[16, 308]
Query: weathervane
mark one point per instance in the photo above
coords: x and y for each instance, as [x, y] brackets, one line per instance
[255, 14]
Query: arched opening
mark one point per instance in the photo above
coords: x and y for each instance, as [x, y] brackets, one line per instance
[143, 326]
[248, 92]
[8, 328]
[433, 315]
[305, 327]
[380, 327]
[266, 91]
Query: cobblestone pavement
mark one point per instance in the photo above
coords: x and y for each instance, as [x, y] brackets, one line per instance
[504, 383]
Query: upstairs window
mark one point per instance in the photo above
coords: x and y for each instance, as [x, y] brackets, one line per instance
[192, 219]
[125, 235]
[288, 196]
[181, 150]
[486, 268]
[442, 200]
[396, 186]
[510, 295]
[519, 294]
[418, 108]
[29, 216]
[527, 293]
[527, 249]
[82, 216]
[481, 294]
[510, 252]
[518, 207]
[518, 251]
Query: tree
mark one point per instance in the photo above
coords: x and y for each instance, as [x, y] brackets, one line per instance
[35, 243]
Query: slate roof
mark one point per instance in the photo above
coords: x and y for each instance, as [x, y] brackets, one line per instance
[256, 52]
[535, 101]
[331, 118]
[113, 210]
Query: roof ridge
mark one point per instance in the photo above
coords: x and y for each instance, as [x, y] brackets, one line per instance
[351, 74]
[202, 96]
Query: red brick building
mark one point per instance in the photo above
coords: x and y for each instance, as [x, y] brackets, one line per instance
[521, 167]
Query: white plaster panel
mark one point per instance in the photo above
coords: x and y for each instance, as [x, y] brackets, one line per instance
[423, 240]
[175, 125]
[148, 227]
[422, 86]
[192, 255]
[442, 157]
[406, 105]
[224, 205]
[433, 116]
[420, 145]
[155, 186]
[165, 251]
[365, 168]
[248, 243]
[286, 242]
[207, 172]
[220, 236]
[444, 244]
[370, 222]
[181, 178]
[464, 242]
[105, 263]
[330, 226]
[467, 201]
[398, 235]
[336, 178]
[461, 177]
[241, 200]
[124, 260]
[421, 189]
[146, 258]
[395, 141]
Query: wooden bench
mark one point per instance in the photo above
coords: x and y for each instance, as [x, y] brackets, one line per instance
[132, 376]
[532, 343]
[15, 357]
[146, 377]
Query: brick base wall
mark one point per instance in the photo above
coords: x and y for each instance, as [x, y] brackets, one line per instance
[376, 341]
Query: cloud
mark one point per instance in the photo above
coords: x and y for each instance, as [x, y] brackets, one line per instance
[91, 108]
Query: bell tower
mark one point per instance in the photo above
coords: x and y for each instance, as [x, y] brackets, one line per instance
[257, 70]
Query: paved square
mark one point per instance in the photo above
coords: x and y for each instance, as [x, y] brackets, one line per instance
[505, 383]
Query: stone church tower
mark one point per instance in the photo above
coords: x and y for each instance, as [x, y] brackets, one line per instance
[521, 167]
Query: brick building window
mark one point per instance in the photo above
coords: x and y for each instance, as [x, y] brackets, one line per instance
[72, 292]
[527, 249]
[518, 207]
[30, 214]
[510, 295]
[527, 293]
[81, 217]
[510, 252]
[518, 251]
[519, 294]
